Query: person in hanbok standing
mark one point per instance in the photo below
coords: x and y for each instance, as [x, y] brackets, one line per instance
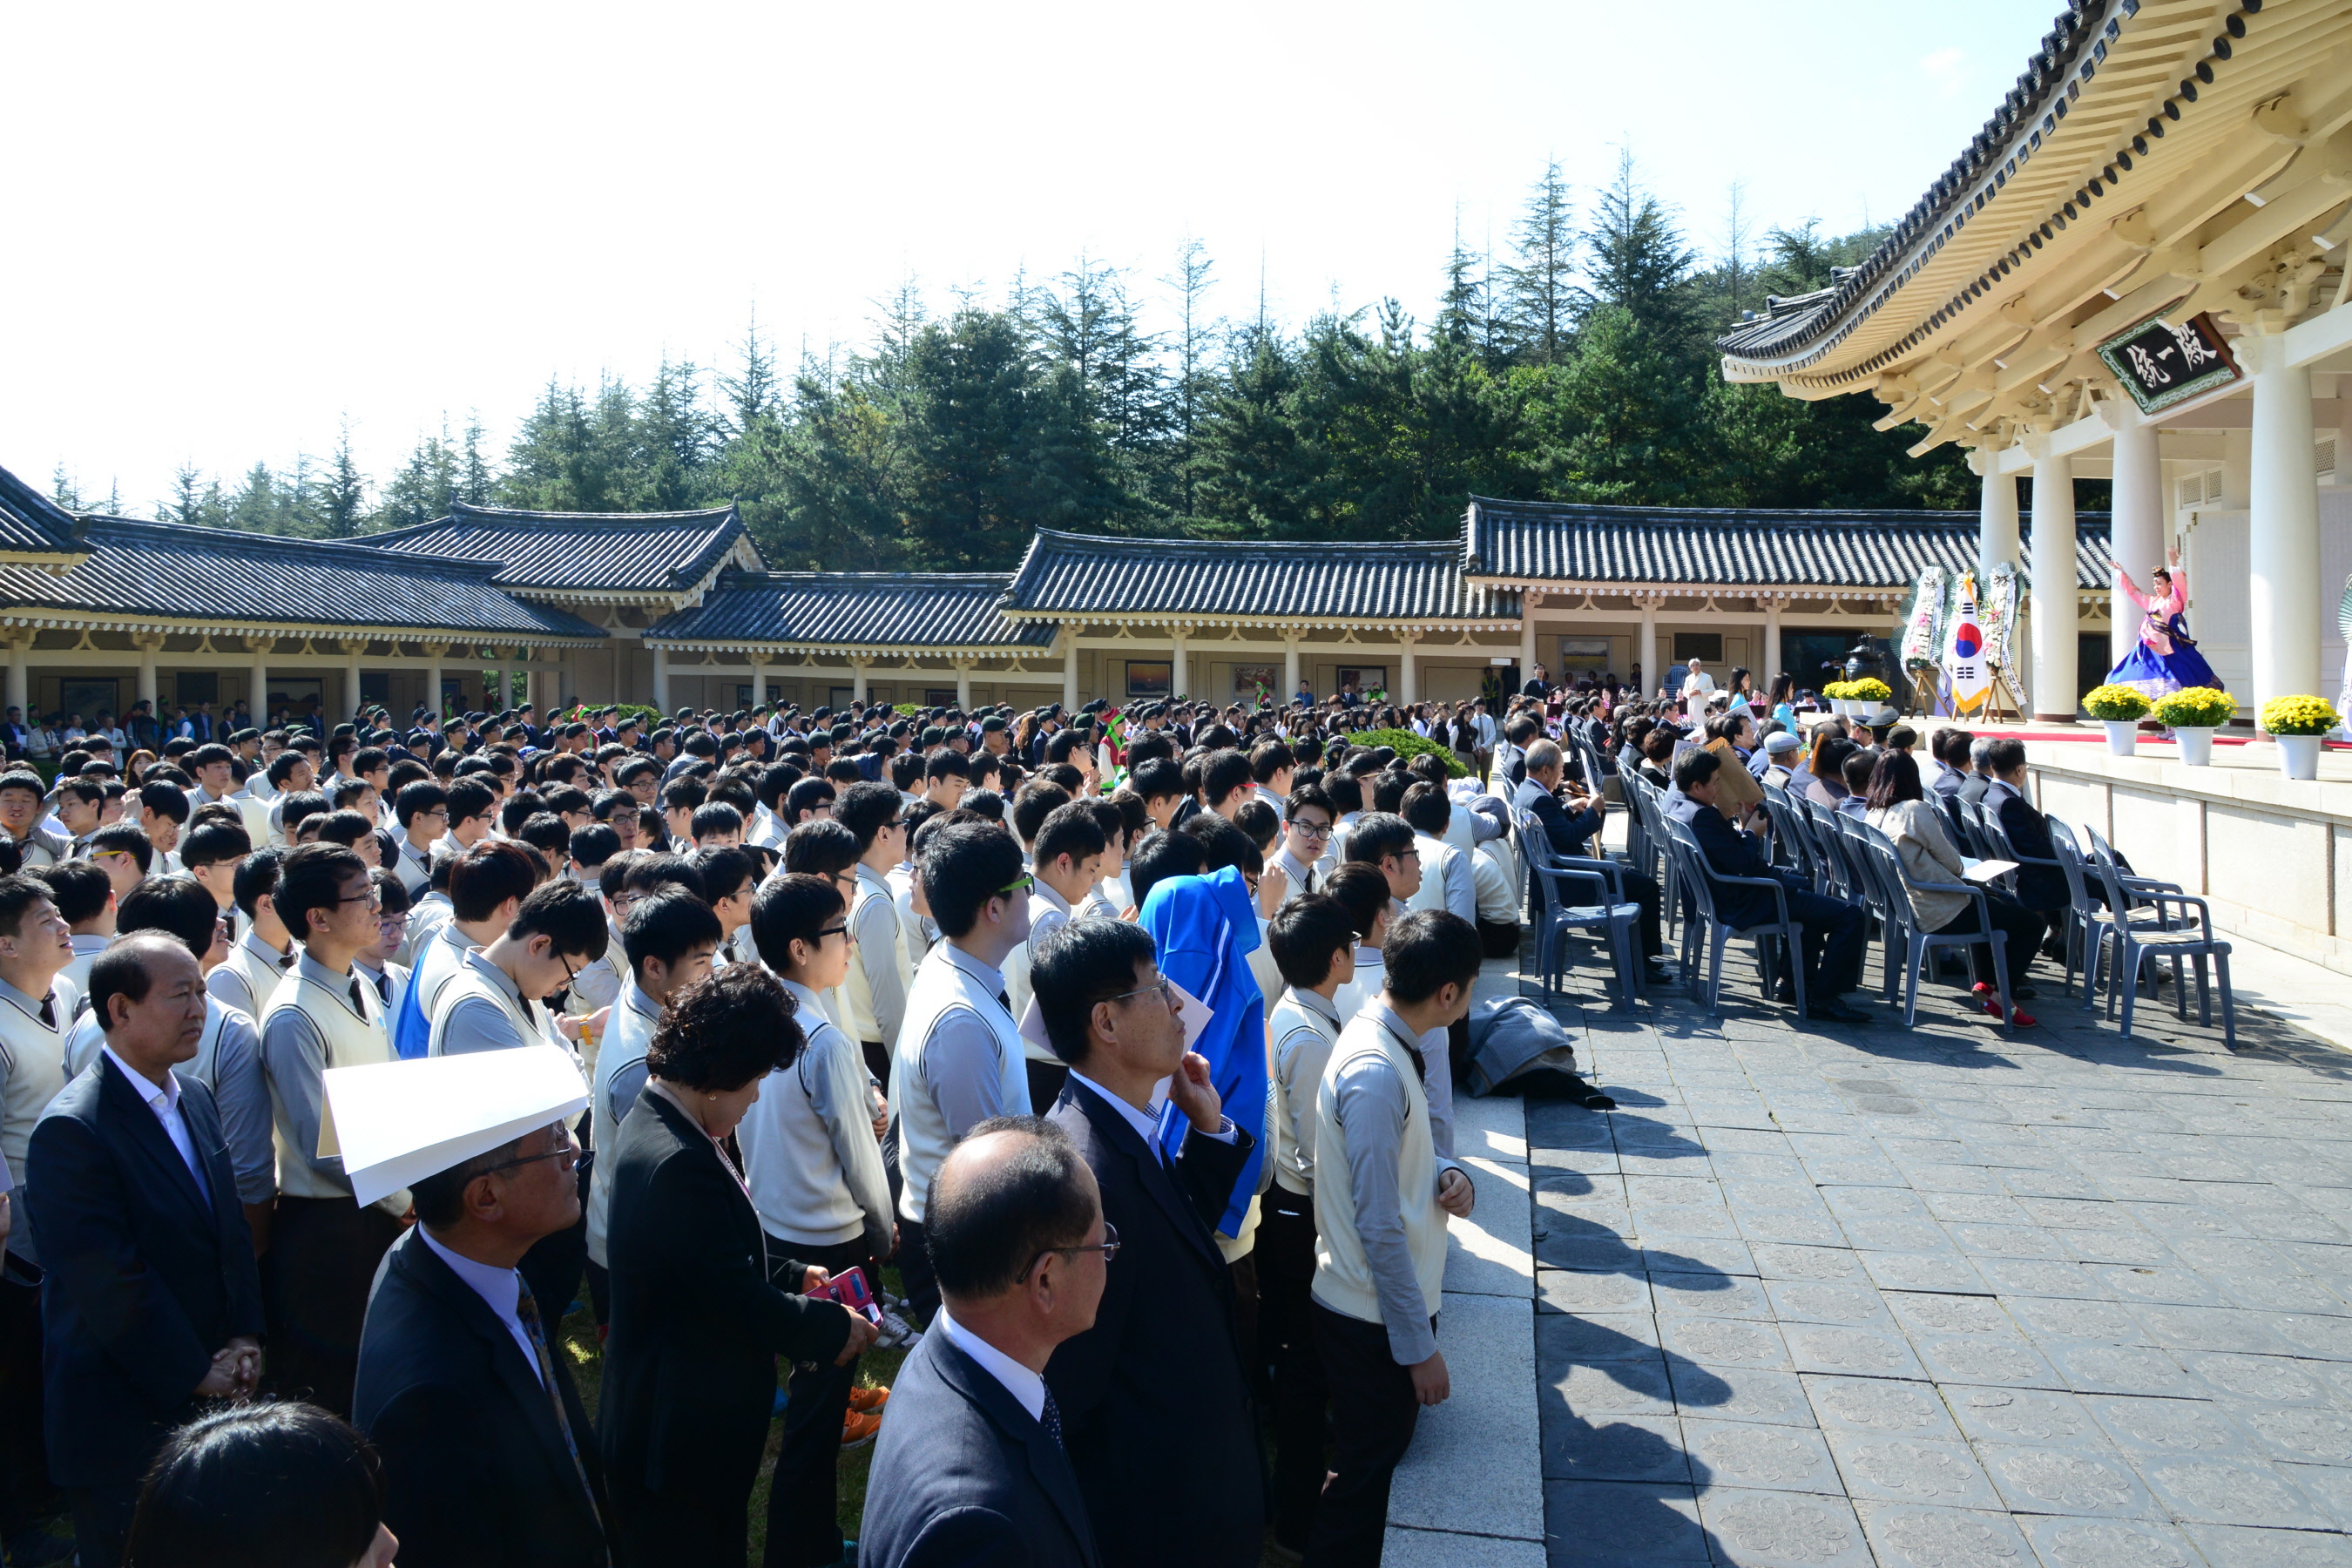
[2165, 658]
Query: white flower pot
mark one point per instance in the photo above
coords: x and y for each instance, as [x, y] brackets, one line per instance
[2120, 736]
[2299, 755]
[2196, 745]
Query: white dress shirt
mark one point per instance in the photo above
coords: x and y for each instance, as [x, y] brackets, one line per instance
[500, 1288]
[1147, 1122]
[1019, 1382]
[165, 1103]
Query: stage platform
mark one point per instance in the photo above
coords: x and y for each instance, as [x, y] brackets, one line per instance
[2272, 855]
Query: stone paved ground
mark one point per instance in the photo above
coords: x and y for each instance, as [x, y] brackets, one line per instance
[1940, 1298]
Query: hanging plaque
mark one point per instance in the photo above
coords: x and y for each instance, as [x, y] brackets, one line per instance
[2163, 365]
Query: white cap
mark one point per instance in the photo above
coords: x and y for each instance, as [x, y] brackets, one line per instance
[396, 1122]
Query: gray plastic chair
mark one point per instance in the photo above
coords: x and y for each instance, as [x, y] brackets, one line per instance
[1709, 929]
[1917, 942]
[1610, 912]
[2134, 942]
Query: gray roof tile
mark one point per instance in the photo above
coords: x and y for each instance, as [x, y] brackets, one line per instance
[218, 576]
[33, 524]
[1075, 575]
[594, 552]
[1543, 541]
[854, 609]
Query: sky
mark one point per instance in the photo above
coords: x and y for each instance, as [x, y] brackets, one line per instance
[235, 229]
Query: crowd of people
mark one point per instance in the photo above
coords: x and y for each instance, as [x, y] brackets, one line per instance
[1125, 1042]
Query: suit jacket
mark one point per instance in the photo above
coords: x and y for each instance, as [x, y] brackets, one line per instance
[1155, 1398]
[1973, 787]
[1569, 833]
[964, 1476]
[2038, 887]
[690, 1361]
[1731, 853]
[147, 1277]
[476, 1470]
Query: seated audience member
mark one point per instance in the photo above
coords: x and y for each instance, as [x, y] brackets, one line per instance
[1136, 1435]
[2039, 888]
[1571, 827]
[974, 1465]
[1923, 842]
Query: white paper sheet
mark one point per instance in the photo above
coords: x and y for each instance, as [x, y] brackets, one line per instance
[396, 1122]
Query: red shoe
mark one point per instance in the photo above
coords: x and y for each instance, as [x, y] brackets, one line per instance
[2017, 1016]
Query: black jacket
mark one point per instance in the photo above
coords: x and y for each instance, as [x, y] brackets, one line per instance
[2038, 887]
[964, 1476]
[476, 1470]
[146, 1278]
[690, 1361]
[1155, 1397]
[1729, 852]
[1570, 832]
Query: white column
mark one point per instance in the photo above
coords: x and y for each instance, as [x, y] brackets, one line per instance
[2054, 609]
[259, 648]
[661, 681]
[2138, 538]
[1289, 667]
[20, 685]
[433, 656]
[857, 679]
[351, 677]
[1408, 670]
[1529, 600]
[759, 680]
[963, 685]
[2283, 532]
[1181, 675]
[1771, 670]
[1646, 650]
[2237, 470]
[1996, 514]
[149, 647]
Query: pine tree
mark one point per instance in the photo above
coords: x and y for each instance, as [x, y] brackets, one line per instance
[186, 503]
[345, 501]
[1462, 309]
[1195, 379]
[753, 392]
[1637, 262]
[1539, 289]
[475, 480]
[63, 489]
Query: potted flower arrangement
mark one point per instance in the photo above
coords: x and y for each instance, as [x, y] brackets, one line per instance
[2297, 723]
[2193, 713]
[2120, 708]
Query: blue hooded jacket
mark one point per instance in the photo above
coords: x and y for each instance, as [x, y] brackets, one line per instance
[1204, 929]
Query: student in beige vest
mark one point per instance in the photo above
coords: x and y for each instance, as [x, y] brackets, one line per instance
[324, 1246]
[1382, 1199]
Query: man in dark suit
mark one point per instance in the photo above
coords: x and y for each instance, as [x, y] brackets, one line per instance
[1155, 1396]
[153, 1300]
[1571, 832]
[2041, 888]
[489, 1459]
[971, 1466]
[1835, 935]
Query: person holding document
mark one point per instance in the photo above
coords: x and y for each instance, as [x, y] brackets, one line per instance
[1898, 807]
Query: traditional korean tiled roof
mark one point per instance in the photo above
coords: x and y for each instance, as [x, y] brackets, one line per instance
[33, 527]
[1534, 543]
[1076, 575]
[178, 576]
[853, 610]
[608, 554]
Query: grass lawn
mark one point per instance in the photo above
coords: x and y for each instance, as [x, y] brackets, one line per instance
[875, 1368]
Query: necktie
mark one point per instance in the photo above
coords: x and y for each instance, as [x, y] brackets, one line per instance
[48, 1013]
[527, 1313]
[1050, 1419]
[1002, 1001]
[357, 1005]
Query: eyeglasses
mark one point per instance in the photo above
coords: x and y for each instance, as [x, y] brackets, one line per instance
[1312, 830]
[372, 898]
[567, 1151]
[391, 923]
[1164, 987]
[1020, 884]
[1108, 1246]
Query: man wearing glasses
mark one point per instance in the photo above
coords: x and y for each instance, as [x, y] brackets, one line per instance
[495, 999]
[488, 1453]
[1155, 1397]
[1305, 857]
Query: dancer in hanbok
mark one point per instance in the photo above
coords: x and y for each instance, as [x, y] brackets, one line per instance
[2165, 658]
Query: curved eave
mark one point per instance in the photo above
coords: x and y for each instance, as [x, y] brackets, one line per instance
[849, 651]
[56, 618]
[1198, 621]
[2115, 130]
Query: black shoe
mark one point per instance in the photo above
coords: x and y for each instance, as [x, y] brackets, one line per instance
[2022, 992]
[1836, 1012]
[1657, 972]
[1785, 992]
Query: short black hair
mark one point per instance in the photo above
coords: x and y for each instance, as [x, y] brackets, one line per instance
[650, 871]
[819, 849]
[807, 795]
[667, 926]
[1033, 803]
[721, 1033]
[1428, 951]
[1222, 774]
[312, 878]
[1376, 837]
[1308, 798]
[593, 846]
[964, 864]
[210, 843]
[78, 889]
[168, 799]
[983, 1231]
[793, 906]
[416, 799]
[177, 906]
[129, 838]
[1072, 829]
[1157, 779]
[1427, 808]
[2005, 756]
[865, 809]
[272, 1482]
[714, 816]
[568, 915]
[1222, 843]
[1080, 963]
[440, 1198]
[724, 869]
[469, 798]
[487, 876]
[1164, 856]
[1306, 934]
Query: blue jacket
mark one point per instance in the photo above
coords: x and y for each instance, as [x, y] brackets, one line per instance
[1204, 929]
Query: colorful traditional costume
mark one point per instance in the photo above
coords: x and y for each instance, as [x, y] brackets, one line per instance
[2167, 659]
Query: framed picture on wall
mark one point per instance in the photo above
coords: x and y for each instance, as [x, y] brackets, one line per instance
[1584, 653]
[1366, 679]
[1252, 680]
[89, 699]
[1150, 677]
[301, 696]
[939, 696]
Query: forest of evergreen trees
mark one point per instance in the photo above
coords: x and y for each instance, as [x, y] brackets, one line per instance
[1576, 366]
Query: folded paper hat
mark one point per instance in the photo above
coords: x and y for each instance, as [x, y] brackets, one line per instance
[397, 1123]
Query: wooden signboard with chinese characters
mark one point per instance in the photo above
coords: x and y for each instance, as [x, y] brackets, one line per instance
[2162, 364]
